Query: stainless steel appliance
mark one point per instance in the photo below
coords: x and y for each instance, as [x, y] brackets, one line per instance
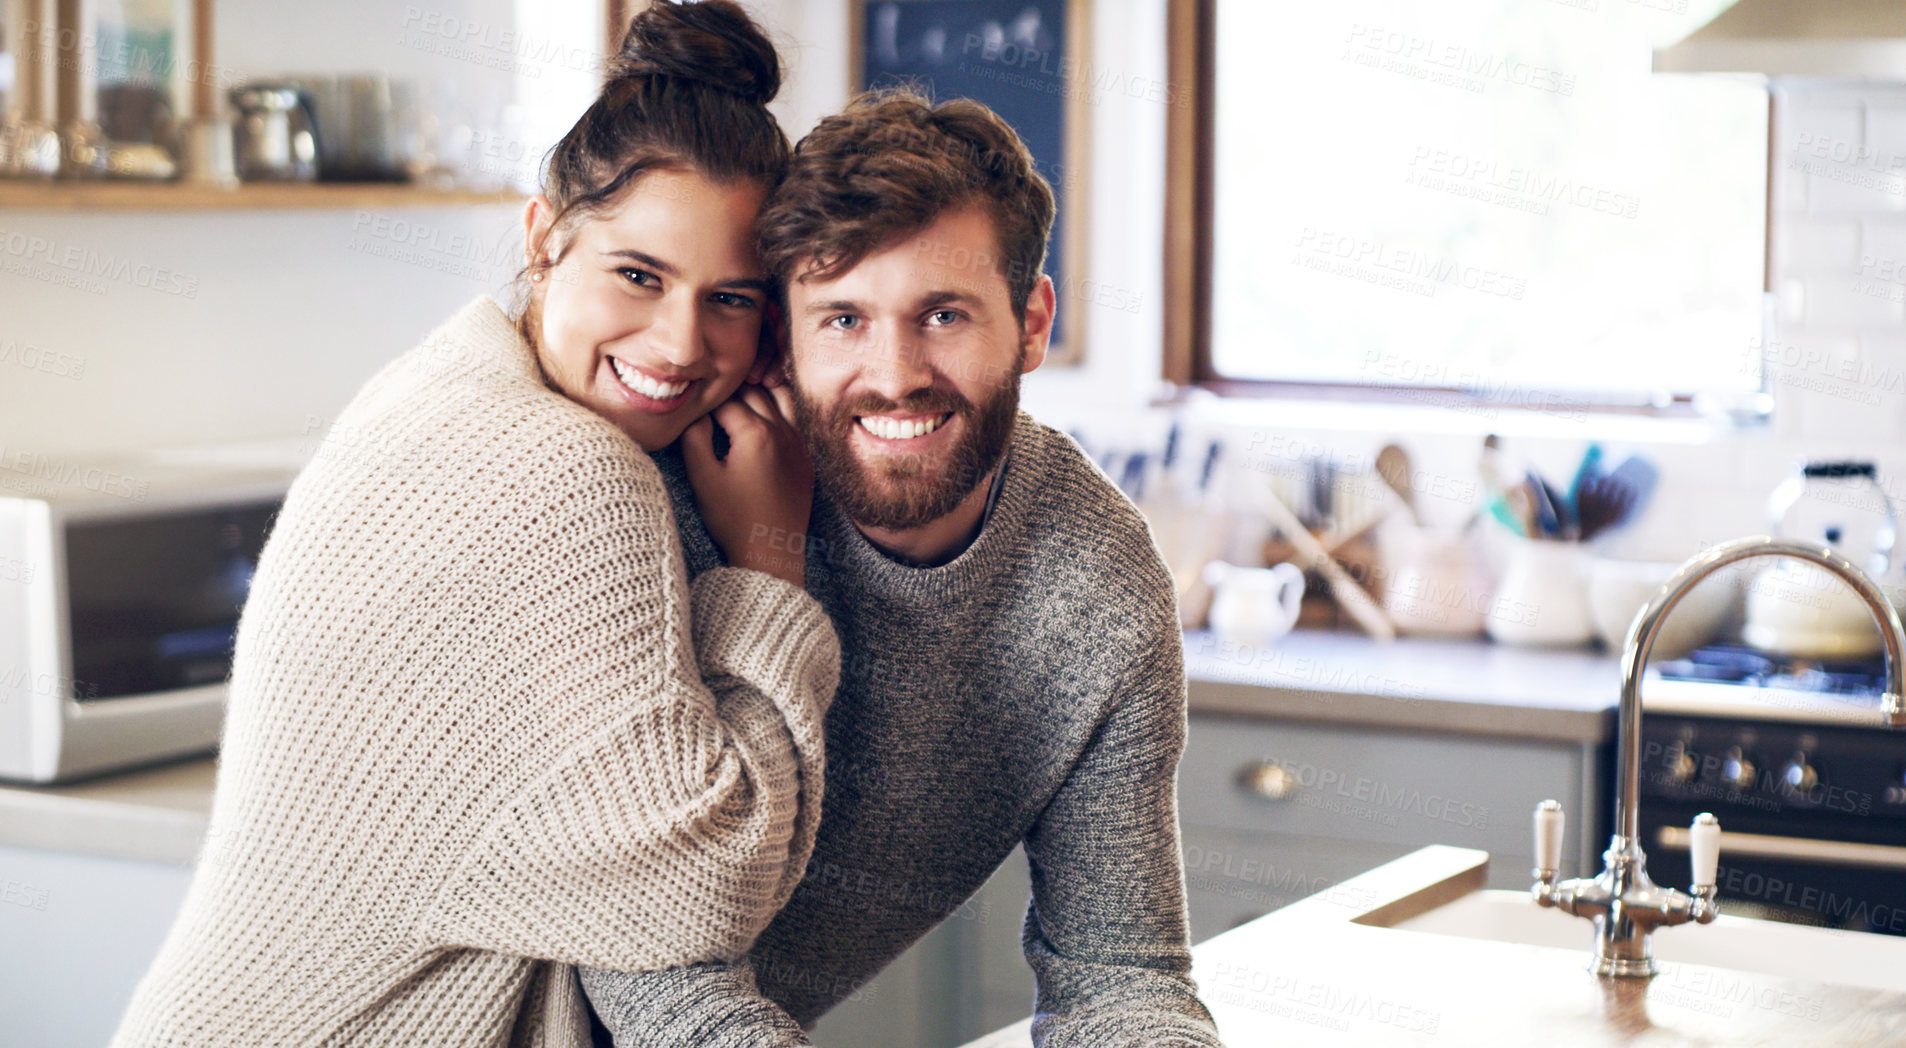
[276, 136]
[120, 592]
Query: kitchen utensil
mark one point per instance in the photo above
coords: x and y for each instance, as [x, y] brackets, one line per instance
[1354, 599]
[1253, 606]
[275, 139]
[1603, 503]
[1393, 465]
[1548, 521]
[1499, 508]
[1521, 502]
[1591, 466]
[1543, 596]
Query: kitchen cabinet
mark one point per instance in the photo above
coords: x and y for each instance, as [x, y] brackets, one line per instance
[79, 932]
[111, 195]
[1274, 810]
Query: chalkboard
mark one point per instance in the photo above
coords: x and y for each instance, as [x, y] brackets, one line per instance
[1021, 58]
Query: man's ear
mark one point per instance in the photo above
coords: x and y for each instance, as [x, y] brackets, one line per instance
[538, 216]
[1041, 306]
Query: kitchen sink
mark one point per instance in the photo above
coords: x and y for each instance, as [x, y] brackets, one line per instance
[1826, 955]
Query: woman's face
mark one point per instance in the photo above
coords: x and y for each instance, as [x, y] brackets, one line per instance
[653, 314]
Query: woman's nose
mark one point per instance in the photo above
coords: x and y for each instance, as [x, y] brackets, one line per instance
[675, 333]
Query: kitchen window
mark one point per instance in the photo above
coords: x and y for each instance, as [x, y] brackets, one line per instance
[1481, 201]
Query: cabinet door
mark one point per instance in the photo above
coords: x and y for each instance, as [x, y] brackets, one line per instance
[76, 934]
[1377, 786]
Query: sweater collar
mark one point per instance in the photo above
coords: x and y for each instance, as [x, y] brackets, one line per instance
[847, 555]
[482, 334]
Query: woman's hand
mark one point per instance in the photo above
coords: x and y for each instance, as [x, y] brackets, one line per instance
[756, 501]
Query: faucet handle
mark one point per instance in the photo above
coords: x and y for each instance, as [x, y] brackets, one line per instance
[1548, 839]
[1704, 850]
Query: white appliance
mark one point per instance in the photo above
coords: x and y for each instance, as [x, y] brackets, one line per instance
[120, 590]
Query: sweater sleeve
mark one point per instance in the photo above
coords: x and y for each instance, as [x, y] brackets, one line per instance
[676, 803]
[1105, 933]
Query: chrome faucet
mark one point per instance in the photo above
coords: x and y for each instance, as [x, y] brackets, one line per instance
[1625, 905]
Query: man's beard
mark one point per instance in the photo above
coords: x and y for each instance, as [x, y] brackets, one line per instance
[899, 492]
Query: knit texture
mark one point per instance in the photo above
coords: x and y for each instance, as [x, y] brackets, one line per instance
[1030, 691]
[469, 743]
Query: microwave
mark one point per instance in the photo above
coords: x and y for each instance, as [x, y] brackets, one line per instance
[120, 592]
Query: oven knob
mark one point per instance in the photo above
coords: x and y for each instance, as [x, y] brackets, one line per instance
[1799, 776]
[1681, 766]
[1737, 770]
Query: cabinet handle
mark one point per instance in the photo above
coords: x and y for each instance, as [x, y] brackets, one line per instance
[1272, 782]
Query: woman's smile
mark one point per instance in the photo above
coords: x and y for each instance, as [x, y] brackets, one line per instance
[645, 389]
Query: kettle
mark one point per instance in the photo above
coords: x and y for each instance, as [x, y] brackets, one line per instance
[1799, 610]
[275, 139]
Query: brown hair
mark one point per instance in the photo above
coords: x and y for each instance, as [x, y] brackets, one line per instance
[689, 88]
[891, 164]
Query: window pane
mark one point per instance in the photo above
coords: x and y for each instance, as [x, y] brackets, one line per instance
[1490, 194]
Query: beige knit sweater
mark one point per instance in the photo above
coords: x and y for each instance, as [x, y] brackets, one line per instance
[470, 745]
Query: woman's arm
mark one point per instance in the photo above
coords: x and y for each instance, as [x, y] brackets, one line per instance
[678, 811]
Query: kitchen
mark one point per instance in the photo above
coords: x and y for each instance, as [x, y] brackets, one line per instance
[1713, 217]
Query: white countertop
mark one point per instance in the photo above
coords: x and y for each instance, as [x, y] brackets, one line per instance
[1464, 685]
[152, 814]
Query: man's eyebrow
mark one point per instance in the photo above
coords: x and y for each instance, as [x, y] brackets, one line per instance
[668, 270]
[839, 305]
[947, 297]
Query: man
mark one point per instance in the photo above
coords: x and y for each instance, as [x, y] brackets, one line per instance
[1012, 667]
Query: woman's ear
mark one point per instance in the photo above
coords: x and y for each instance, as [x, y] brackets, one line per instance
[772, 351]
[538, 216]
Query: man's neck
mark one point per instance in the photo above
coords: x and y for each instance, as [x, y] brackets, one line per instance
[939, 540]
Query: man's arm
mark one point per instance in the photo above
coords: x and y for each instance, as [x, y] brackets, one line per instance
[1105, 932]
[698, 1006]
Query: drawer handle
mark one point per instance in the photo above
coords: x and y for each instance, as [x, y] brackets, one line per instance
[1271, 781]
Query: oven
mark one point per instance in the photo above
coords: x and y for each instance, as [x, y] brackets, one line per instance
[1809, 787]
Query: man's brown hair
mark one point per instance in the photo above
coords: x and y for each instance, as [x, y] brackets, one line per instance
[889, 165]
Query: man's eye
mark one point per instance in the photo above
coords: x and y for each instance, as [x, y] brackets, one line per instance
[639, 277]
[943, 317]
[844, 322]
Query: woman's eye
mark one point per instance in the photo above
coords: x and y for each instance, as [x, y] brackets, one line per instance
[733, 300]
[639, 277]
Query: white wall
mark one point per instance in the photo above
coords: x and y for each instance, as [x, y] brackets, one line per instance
[293, 310]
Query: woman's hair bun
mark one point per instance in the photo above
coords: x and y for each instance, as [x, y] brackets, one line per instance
[712, 42]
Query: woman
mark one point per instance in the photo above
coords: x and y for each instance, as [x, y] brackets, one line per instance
[469, 742]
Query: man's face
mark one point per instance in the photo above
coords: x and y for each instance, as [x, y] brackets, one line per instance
[906, 369]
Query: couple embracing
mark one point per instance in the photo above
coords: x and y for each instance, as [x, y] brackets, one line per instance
[725, 558]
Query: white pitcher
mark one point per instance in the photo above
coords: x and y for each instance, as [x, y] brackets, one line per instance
[1253, 606]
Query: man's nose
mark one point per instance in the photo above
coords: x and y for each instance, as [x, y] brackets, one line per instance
[897, 368]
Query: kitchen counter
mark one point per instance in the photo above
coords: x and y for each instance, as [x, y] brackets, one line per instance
[1333, 962]
[154, 814]
[1466, 685]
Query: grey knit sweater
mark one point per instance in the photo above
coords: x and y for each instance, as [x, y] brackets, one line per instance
[1031, 690]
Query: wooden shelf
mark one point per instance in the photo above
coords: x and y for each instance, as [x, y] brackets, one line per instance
[108, 195]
